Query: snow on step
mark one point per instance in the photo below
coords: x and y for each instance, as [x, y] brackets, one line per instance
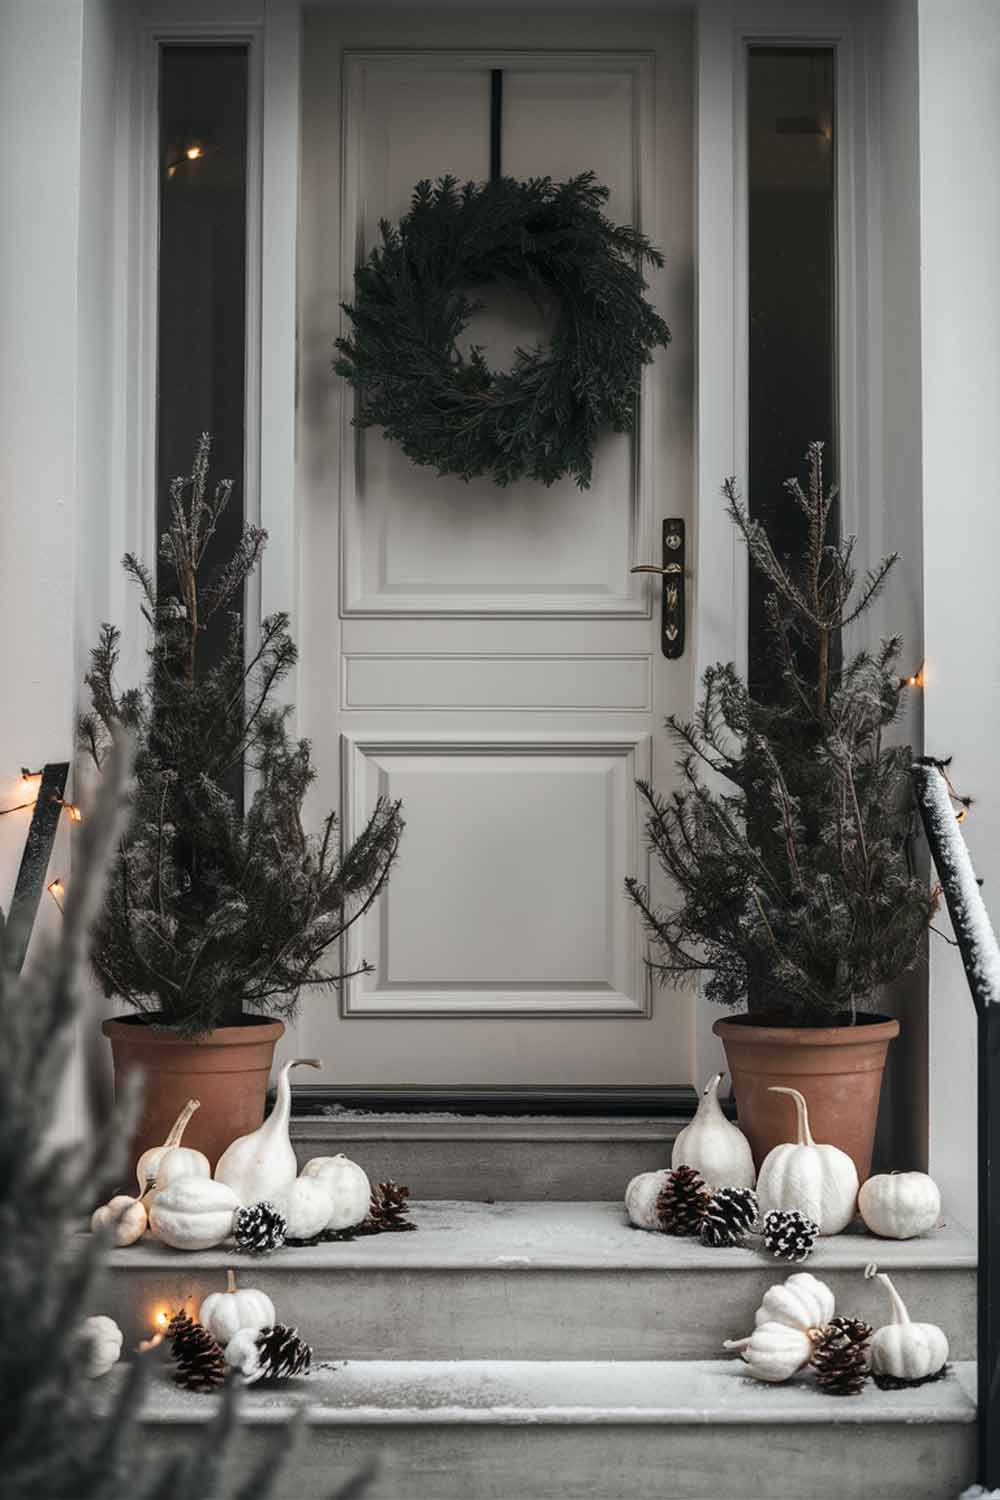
[512, 1430]
[538, 1281]
[513, 1157]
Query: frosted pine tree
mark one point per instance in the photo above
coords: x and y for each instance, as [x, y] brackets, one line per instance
[787, 842]
[215, 910]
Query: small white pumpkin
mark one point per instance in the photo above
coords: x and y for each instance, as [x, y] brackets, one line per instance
[243, 1356]
[262, 1165]
[124, 1217]
[905, 1350]
[103, 1339]
[641, 1196]
[803, 1302]
[161, 1165]
[773, 1351]
[348, 1186]
[820, 1181]
[716, 1148]
[226, 1313]
[900, 1205]
[308, 1207]
[193, 1214]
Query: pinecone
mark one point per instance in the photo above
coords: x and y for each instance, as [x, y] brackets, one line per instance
[841, 1357]
[730, 1216]
[280, 1354]
[788, 1234]
[259, 1229]
[201, 1364]
[682, 1201]
[389, 1207]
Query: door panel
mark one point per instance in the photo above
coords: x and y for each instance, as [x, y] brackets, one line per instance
[486, 654]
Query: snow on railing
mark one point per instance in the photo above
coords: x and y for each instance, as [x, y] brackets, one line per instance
[969, 917]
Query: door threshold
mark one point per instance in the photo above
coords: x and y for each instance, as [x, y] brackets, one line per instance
[671, 1100]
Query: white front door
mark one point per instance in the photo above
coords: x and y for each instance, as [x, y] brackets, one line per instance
[486, 654]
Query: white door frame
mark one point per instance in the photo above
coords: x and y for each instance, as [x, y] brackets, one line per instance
[724, 30]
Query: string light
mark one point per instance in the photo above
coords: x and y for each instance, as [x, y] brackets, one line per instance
[915, 679]
[162, 1321]
[31, 781]
[193, 152]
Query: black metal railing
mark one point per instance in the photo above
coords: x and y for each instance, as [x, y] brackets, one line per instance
[981, 957]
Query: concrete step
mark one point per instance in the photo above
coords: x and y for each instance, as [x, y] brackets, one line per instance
[595, 1431]
[547, 1158]
[568, 1281]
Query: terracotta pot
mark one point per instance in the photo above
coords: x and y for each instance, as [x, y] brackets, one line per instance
[837, 1068]
[227, 1069]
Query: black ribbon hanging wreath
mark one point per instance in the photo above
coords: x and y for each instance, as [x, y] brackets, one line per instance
[539, 420]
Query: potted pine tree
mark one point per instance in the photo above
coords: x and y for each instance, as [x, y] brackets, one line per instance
[220, 908]
[787, 845]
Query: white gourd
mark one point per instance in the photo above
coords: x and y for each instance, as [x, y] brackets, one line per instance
[900, 1205]
[224, 1314]
[308, 1207]
[641, 1196]
[348, 1186]
[906, 1350]
[714, 1146]
[243, 1356]
[820, 1181]
[124, 1217]
[103, 1339]
[262, 1165]
[803, 1302]
[161, 1165]
[193, 1214]
[773, 1351]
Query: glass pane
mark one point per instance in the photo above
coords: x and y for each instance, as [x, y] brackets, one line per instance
[792, 286]
[202, 276]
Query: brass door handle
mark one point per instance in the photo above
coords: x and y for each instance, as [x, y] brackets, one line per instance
[674, 594]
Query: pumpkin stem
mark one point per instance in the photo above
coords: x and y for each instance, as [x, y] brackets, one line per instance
[179, 1126]
[712, 1086]
[230, 1281]
[899, 1312]
[735, 1343]
[801, 1112]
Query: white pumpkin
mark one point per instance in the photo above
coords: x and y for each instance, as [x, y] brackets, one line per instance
[308, 1207]
[123, 1217]
[348, 1186]
[193, 1214]
[714, 1146]
[641, 1196]
[226, 1313]
[803, 1302]
[262, 1165]
[900, 1205]
[773, 1351]
[905, 1350]
[243, 1356]
[820, 1181]
[161, 1165]
[103, 1339]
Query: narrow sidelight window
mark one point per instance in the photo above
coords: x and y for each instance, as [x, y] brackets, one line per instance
[201, 350]
[792, 294]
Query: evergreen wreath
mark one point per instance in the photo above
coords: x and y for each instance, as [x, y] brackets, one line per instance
[540, 419]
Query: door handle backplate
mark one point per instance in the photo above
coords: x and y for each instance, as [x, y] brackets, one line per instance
[673, 597]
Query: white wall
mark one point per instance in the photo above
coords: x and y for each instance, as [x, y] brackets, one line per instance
[959, 71]
[56, 102]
